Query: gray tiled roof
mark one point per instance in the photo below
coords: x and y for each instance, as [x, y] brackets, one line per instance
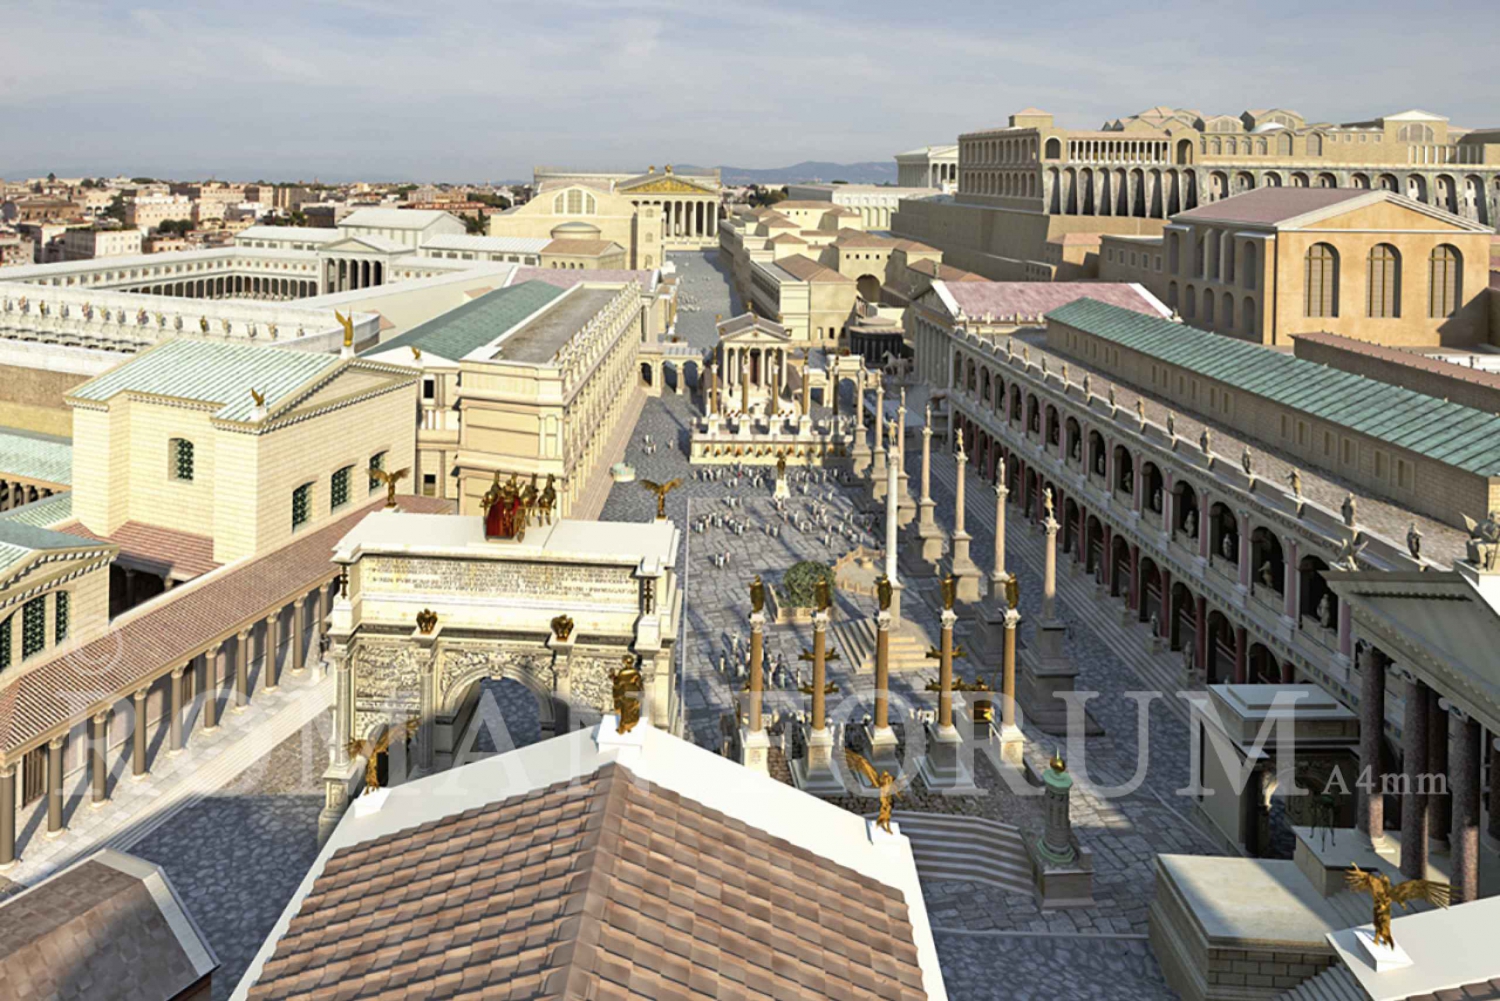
[36, 456]
[206, 372]
[44, 512]
[19, 539]
[1455, 435]
[1269, 206]
[459, 331]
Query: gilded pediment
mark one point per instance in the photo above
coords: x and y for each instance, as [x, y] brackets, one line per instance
[666, 186]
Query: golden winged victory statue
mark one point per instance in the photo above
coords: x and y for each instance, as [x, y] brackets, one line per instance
[371, 750]
[1383, 895]
[390, 480]
[881, 780]
[661, 490]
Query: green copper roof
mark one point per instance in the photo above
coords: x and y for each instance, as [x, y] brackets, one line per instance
[1455, 435]
[211, 373]
[36, 456]
[44, 512]
[459, 331]
[18, 540]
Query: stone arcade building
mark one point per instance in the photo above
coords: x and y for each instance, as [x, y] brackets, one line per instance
[499, 606]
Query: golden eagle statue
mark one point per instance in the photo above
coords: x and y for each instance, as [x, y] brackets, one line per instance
[1383, 895]
[882, 780]
[371, 750]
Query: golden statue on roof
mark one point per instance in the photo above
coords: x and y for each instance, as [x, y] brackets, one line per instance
[1383, 895]
[882, 780]
[371, 750]
[389, 480]
[347, 322]
[627, 687]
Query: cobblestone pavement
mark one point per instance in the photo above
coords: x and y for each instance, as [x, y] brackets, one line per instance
[704, 290]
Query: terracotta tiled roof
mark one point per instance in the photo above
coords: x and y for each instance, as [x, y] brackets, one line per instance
[915, 247]
[1447, 369]
[180, 555]
[806, 269]
[107, 928]
[170, 632]
[608, 888]
[1486, 990]
[857, 238]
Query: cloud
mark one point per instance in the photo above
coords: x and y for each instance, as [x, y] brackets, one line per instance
[456, 89]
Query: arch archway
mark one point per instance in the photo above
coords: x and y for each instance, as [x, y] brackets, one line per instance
[1093, 550]
[1263, 668]
[1224, 540]
[1155, 497]
[1120, 569]
[1124, 472]
[1182, 630]
[1219, 667]
[1267, 568]
[868, 287]
[1097, 457]
[1319, 605]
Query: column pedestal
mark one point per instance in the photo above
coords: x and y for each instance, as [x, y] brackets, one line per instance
[815, 774]
[755, 748]
[944, 768]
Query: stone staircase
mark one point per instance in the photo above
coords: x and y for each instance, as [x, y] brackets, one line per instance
[854, 639]
[1334, 984]
[967, 850]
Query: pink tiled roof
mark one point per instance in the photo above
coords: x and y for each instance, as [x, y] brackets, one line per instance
[978, 299]
[180, 555]
[808, 270]
[1269, 206]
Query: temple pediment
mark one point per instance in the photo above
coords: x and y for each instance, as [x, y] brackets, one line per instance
[664, 185]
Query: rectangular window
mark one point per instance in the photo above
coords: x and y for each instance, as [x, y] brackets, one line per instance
[1403, 473]
[1286, 423]
[182, 459]
[338, 488]
[33, 627]
[429, 389]
[1328, 444]
[429, 484]
[1347, 451]
[301, 505]
[377, 461]
[60, 617]
[1380, 464]
[1302, 433]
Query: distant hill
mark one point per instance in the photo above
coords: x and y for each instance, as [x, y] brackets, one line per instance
[811, 172]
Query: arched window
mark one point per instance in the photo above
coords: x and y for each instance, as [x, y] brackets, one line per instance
[1315, 145]
[181, 451]
[1054, 149]
[1320, 290]
[1284, 144]
[1248, 265]
[1383, 299]
[1445, 281]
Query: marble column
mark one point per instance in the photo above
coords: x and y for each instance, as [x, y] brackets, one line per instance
[138, 742]
[882, 738]
[1439, 802]
[55, 786]
[242, 671]
[270, 678]
[943, 769]
[999, 576]
[1464, 782]
[1049, 564]
[945, 673]
[754, 741]
[211, 688]
[877, 450]
[1371, 822]
[99, 757]
[892, 541]
[7, 816]
[817, 774]
[927, 527]
[299, 634]
[1012, 741]
[906, 508]
[1414, 828]
[962, 566]
[174, 733]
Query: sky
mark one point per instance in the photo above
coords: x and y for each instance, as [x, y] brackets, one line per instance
[462, 90]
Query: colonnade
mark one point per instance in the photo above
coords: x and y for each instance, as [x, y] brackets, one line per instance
[231, 287]
[686, 218]
[16, 492]
[172, 698]
[346, 274]
[738, 365]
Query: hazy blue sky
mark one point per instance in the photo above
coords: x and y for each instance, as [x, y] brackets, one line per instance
[467, 90]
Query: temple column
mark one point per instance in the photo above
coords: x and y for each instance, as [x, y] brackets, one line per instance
[1012, 741]
[1414, 827]
[299, 634]
[138, 743]
[892, 544]
[242, 671]
[1464, 782]
[816, 774]
[270, 680]
[882, 737]
[1439, 802]
[211, 688]
[1371, 822]
[7, 816]
[927, 528]
[55, 786]
[99, 757]
[174, 734]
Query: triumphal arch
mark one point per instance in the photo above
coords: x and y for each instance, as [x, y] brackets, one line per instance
[428, 606]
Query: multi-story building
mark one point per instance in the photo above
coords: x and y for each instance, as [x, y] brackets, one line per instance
[677, 210]
[1272, 263]
[875, 203]
[147, 212]
[90, 243]
[539, 379]
[1030, 182]
[928, 167]
[38, 210]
